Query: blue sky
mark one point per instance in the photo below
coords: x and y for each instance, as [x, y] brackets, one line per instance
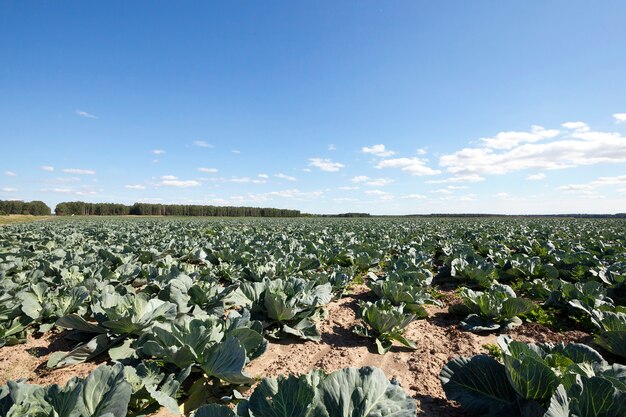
[381, 107]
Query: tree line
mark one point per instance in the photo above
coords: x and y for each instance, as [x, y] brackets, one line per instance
[35, 208]
[81, 208]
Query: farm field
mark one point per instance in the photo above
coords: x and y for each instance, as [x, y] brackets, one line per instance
[402, 317]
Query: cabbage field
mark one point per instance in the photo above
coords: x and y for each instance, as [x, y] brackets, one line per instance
[114, 317]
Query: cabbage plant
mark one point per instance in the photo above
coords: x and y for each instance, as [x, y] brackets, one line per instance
[404, 289]
[537, 380]
[492, 309]
[104, 393]
[347, 392]
[385, 323]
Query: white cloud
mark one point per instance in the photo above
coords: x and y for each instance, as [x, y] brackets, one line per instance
[79, 171]
[414, 166]
[245, 180]
[169, 177]
[264, 176]
[236, 151]
[48, 168]
[285, 177]
[62, 180]
[619, 180]
[458, 187]
[325, 164]
[376, 192]
[380, 182]
[9, 189]
[508, 140]
[332, 147]
[581, 148]
[158, 151]
[468, 197]
[208, 170]
[85, 114]
[575, 187]
[345, 188]
[377, 150]
[135, 187]
[591, 187]
[457, 179]
[297, 194]
[262, 198]
[179, 183]
[422, 151]
[620, 117]
[536, 177]
[502, 196]
[372, 182]
[580, 126]
[202, 144]
[238, 180]
[70, 191]
[414, 197]
[382, 195]
[441, 191]
[10, 174]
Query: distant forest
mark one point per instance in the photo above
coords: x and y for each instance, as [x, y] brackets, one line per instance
[34, 208]
[80, 208]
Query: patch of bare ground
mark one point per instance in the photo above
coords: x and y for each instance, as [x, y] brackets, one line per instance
[537, 333]
[28, 361]
[437, 339]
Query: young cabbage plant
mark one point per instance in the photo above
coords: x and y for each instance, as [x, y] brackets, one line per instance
[118, 318]
[477, 272]
[286, 306]
[400, 289]
[496, 308]
[45, 305]
[153, 389]
[537, 380]
[346, 392]
[219, 348]
[612, 335]
[385, 323]
[13, 332]
[104, 393]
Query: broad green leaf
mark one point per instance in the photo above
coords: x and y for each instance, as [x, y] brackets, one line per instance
[214, 410]
[479, 384]
[105, 391]
[74, 321]
[285, 397]
[225, 361]
[91, 349]
[601, 399]
[364, 392]
[532, 378]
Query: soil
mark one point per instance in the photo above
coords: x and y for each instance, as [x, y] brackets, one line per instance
[438, 339]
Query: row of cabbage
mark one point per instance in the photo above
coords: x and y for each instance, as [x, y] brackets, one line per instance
[184, 305]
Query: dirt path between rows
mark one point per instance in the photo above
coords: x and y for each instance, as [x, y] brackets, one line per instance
[438, 340]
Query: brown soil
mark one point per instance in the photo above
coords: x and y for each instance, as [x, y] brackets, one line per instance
[438, 339]
[537, 333]
[28, 361]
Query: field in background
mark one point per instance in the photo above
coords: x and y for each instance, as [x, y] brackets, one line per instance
[21, 218]
[272, 297]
